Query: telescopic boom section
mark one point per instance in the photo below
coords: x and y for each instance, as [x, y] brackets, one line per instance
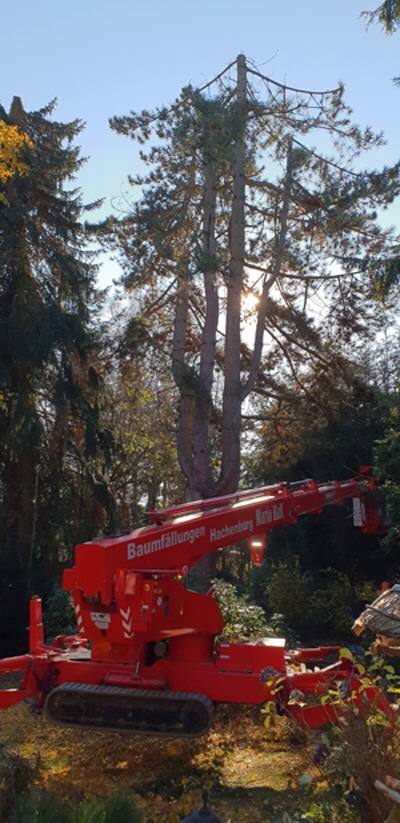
[180, 536]
[157, 662]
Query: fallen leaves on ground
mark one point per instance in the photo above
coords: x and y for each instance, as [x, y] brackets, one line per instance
[251, 774]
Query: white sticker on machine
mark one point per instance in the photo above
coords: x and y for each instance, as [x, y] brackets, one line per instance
[102, 621]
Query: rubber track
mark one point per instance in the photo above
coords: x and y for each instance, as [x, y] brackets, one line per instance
[138, 711]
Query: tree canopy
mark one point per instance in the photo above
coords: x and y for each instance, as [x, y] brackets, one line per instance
[261, 286]
[49, 416]
[249, 251]
[388, 14]
[12, 143]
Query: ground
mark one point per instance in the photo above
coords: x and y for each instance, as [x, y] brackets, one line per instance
[251, 773]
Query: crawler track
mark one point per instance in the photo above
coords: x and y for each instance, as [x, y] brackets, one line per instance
[138, 711]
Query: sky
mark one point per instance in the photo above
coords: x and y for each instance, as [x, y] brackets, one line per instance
[102, 58]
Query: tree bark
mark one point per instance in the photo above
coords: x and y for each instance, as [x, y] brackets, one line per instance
[231, 413]
[202, 478]
[181, 376]
[269, 281]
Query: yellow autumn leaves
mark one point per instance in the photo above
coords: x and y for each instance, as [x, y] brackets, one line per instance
[12, 142]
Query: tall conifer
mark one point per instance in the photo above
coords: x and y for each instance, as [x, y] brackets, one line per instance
[48, 385]
[254, 246]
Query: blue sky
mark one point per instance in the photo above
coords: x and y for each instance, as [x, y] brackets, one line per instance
[108, 57]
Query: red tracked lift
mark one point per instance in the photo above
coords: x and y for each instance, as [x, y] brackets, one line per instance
[146, 658]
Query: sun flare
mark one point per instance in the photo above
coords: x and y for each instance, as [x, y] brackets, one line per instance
[250, 301]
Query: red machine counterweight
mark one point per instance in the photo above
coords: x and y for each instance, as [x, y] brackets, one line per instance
[147, 658]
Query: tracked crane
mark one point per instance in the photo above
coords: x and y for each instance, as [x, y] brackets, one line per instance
[149, 656]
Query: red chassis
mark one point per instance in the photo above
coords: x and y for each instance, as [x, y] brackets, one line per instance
[146, 658]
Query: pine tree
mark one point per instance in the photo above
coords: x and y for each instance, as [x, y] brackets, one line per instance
[243, 230]
[387, 14]
[49, 385]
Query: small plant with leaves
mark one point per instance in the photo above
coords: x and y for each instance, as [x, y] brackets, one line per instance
[16, 778]
[48, 808]
[242, 618]
[363, 745]
[59, 615]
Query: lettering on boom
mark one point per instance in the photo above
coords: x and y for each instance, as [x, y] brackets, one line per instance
[269, 515]
[165, 541]
[231, 531]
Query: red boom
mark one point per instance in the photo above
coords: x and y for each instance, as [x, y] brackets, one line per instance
[154, 664]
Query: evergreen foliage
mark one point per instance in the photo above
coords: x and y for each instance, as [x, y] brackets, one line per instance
[50, 437]
[323, 563]
[387, 14]
[387, 462]
[48, 808]
[241, 618]
[238, 253]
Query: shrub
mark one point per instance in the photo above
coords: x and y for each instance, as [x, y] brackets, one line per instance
[15, 781]
[364, 747]
[330, 605]
[47, 808]
[288, 592]
[310, 607]
[121, 807]
[242, 619]
[59, 614]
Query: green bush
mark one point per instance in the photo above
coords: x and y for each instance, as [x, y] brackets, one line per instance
[59, 614]
[47, 808]
[330, 605]
[242, 619]
[121, 808]
[363, 745]
[16, 778]
[316, 607]
[288, 592]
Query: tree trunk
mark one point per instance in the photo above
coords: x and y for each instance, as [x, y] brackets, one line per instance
[269, 281]
[231, 412]
[183, 379]
[202, 481]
